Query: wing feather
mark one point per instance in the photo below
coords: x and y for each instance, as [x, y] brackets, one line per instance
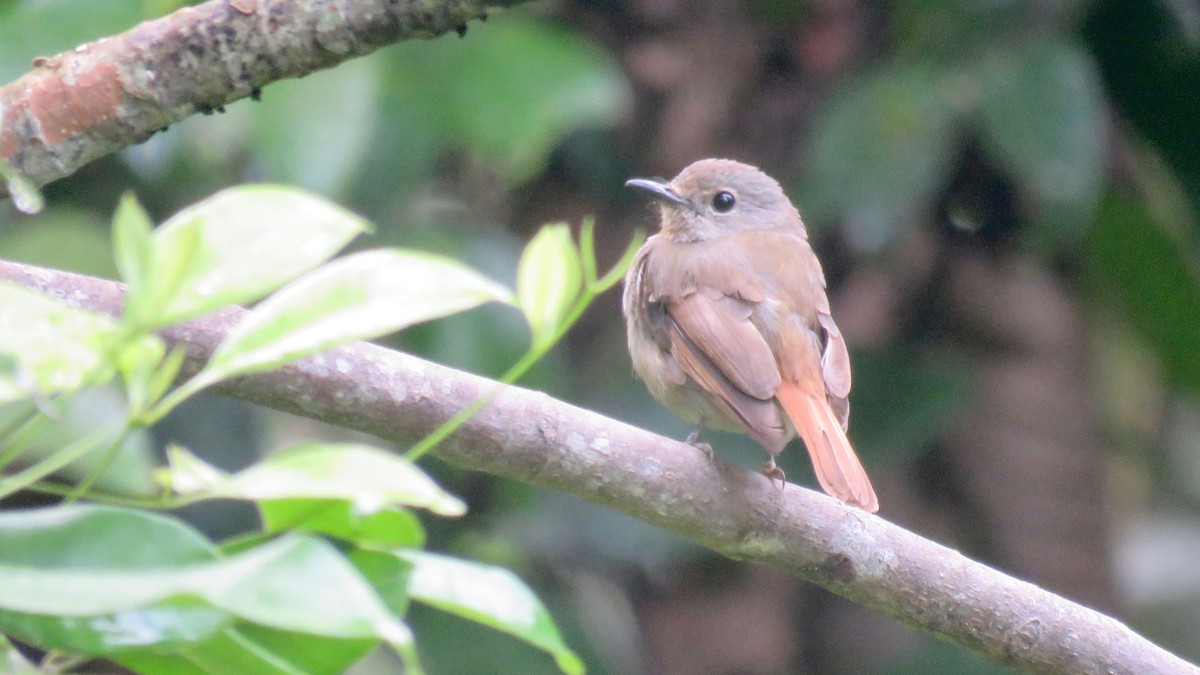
[719, 326]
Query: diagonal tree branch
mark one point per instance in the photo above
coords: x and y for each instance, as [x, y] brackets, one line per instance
[105, 95]
[533, 438]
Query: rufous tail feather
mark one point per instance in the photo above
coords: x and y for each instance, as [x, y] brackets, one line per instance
[837, 467]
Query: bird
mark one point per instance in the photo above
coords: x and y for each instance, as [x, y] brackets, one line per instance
[729, 324]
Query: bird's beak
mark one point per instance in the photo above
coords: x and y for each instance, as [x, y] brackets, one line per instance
[658, 188]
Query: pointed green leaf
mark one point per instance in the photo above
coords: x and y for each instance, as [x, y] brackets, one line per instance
[368, 478]
[241, 244]
[549, 279]
[492, 596]
[358, 297]
[132, 244]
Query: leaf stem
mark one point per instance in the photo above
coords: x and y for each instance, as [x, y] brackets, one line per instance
[172, 400]
[39, 470]
[513, 374]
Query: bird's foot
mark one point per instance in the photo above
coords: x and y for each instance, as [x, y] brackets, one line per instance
[772, 471]
[693, 440]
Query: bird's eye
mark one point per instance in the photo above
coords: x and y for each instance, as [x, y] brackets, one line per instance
[723, 202]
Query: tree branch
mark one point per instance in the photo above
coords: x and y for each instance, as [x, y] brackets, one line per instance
[530, 437]
[118, 91]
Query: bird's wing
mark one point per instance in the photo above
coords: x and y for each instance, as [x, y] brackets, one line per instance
[718, 347]
[719, 325]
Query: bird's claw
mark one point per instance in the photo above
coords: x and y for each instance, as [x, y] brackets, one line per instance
[773, 472]
[693, 440]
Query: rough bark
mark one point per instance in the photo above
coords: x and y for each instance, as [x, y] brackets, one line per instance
[530, 437]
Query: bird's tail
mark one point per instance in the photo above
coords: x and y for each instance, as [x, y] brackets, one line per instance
[837, 467]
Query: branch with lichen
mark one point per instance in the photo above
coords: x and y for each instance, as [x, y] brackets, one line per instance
[118, 91]
[530, 437]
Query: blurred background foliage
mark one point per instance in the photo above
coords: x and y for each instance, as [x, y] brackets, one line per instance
[1005, 196]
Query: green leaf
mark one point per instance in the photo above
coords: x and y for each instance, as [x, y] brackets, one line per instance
[54, 346]
[137, 568]
[247, 648]
[227, 651]
[175, 260]
[98, 538]
[239, 245]
[880, 150]
[272, 585]
[492, 596]
[148, 371]
[358, 297]
[311, 655]
[549, 279]
[1043, 114]
[65, 539]
[388, 574]
[132, 242]
[169, 624]
[366, 477]
[511, 110]
[138, 363]
[386, 528]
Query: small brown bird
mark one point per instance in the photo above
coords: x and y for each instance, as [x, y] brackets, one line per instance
[729, 325]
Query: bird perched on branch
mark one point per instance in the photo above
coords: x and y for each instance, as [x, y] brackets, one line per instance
[729, 324]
